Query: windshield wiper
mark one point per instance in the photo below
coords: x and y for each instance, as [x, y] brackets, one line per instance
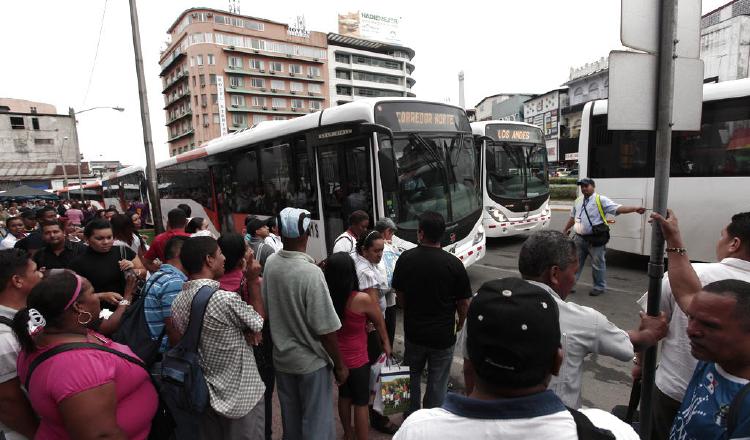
[436, 157]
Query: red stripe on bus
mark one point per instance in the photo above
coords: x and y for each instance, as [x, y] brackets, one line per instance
[195, 154]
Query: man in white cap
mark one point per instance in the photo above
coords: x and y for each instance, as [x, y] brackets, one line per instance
[303, 326]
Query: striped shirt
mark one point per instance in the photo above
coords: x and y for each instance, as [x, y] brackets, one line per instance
[161, 289]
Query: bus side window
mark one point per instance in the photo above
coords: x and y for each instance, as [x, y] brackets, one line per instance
[303, 188]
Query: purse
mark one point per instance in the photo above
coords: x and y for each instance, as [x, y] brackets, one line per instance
[140, 283]
[599, 233]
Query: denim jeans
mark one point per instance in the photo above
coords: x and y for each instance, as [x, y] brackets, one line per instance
[306, 404]
[438, 372]
[598, 261]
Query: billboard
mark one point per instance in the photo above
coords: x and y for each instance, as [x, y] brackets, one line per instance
[370, 26]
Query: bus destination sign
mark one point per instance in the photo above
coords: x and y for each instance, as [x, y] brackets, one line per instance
[417, 116]
[515, 133]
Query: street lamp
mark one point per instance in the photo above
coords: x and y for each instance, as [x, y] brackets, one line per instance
[73, 114]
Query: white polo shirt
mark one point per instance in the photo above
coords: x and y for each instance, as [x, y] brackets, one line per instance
[676, 364]
[583, 330]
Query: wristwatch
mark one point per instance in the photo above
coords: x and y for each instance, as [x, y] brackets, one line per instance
[124, 302]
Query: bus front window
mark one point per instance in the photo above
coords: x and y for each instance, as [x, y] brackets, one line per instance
[537, 179]
[505, 165]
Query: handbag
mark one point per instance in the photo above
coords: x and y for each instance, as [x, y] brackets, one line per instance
[599, 233]
[393, 389]
[140, 283]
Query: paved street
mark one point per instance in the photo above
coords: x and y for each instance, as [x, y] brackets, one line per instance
[606, 381]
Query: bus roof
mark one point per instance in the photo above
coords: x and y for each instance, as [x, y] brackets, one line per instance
[711, 92]
[361, 110]
[124, 172]
[479, 128]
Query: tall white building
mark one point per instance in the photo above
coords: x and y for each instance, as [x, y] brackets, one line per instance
[725, 42]
[359, 68]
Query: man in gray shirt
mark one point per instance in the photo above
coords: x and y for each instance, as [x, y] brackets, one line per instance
[303, 326]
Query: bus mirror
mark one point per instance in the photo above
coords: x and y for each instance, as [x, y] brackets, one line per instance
[483, 139]
[388, 177]
[377, 128]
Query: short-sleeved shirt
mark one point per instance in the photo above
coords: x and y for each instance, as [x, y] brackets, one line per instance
[431, 281]
[704, 410]
[370, 277]
[346, 242]
[161, 290]
[72, 372]
[103, 269]
[9, 242]
[160, 242]
[46, 257]
[583, 226]
[9, 350]
[300, 310]
[75, 216]
[261, 250]
[31, 242]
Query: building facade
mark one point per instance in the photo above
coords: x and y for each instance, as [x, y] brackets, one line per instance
[544, 112]
[725, 42]
[510, 109]
[359, 68]
[35, 142]
[223, 72]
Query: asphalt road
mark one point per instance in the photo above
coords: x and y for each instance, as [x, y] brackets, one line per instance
[606, 381]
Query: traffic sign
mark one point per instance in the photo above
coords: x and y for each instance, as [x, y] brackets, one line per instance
[639, 26]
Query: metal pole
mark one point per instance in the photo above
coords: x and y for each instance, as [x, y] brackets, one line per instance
[153, 192]
[668, 21]
[78, 150]
[65, 172]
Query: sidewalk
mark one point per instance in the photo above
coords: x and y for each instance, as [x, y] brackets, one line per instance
[561, 205]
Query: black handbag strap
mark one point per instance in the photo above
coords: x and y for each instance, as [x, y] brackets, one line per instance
[586, 430]
[192, 336]
[77, 346]
[734, 409]
[7, 321]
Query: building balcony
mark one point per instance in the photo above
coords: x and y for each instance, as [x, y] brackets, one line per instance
[272, 54]
[175, 58]
[180, 76]
[280, 75]
[177, 118]
[275, 93]
[177, 98]
[181, 135]
[268, 110]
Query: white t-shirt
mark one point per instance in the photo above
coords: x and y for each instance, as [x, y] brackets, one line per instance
[676, 364]
[346, 243]
[274, 241]
[9, 350]
[8, 242]
[134, 247]
[370, 276]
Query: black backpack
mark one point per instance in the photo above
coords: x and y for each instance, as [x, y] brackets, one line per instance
[134, 331]
[586, 430]
[183, 386]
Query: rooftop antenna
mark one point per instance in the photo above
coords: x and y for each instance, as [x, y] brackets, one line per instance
[234, 6]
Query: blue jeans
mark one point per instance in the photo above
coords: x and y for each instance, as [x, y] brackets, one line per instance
[598, 261]
[306, 404]
[438, 372]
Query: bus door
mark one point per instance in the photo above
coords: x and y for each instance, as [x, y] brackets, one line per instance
[345, 184]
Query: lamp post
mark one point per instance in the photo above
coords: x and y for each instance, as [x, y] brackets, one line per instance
[73, 114]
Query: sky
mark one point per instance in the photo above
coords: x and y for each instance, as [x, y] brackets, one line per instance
[526, 46]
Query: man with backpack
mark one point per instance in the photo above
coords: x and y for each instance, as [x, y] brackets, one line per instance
[257, 232]
[589, 222]
[513, 340]
[359, 221]
[18, 275]
[235, 389]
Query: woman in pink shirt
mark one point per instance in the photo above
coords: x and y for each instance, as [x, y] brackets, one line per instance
[354, 309]
[91, 392]
[75, 215]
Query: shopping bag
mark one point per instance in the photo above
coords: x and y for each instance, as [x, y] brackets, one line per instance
[375, 373]
[393, 394]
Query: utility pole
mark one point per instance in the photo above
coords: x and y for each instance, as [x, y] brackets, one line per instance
[72, 114]
[153, 192]
[65, 172]
[664, 105]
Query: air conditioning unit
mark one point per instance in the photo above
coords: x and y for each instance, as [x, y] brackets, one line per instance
[309, 75]
[288, 55]
[273, 72]
[294, 109]
[292, 92]
[311, 93]
[315, 59]
[265, 108]
[262, 71]
[232, 86]
[195, 15]
[209, 15]
[231, 47]
[291, 73]
[230, 67]
[206, 124]
[274, 90]
[274, 108]
[203, 86]
[235, 125]
[234, 105]
[204, 105]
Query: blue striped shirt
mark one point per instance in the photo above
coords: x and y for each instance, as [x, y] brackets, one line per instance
[160, 293]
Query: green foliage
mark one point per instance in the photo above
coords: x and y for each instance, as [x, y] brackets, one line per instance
[562, 192]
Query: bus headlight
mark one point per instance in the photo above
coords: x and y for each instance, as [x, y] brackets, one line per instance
[479, 237]
[496, 214]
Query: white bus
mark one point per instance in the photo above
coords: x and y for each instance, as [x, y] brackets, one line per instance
[709, 177]
[391, 157]
[515, 177]
[126, 190]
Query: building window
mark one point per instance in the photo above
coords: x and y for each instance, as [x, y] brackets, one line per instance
[343, 90]
[212, 78]
[298, 103]
[257, 119]
[342, 58]
[216, 118]
[192, 61]
[196, 99]
[238, 100]
[32, 109]
[578, 91]
[202, 80]
[593, 87]
[256, 64]
[238, 119]
[343, 74]
[257, 83]
[376, 62]
[214, 98]
[235, 81]
[259, 101]
[211, 59]
[199, 60]
[296, 87]
[313, 88]
[277, 84]
[374, 77]
[43, 141]
[235, 62]
[295, 69]
[314, 105]
[276, 66]
[195, 83]
[279, 102]
[16, 122]
[313, 71]
[35, 123]
[204, 100]
[278, 118]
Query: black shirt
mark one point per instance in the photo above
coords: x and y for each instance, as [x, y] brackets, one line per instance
[431, 281]
[31, 242]
[103, 269]
[47, 258]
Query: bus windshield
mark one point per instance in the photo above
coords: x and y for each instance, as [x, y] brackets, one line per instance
[435, 173]
[516, 170]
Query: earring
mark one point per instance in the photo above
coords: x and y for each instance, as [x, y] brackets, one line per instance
[87, 320]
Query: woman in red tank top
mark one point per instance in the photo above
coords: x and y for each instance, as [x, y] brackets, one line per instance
[354, 309]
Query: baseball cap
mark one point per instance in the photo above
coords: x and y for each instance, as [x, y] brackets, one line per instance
[585, 181]
[513, 333]
[253, 224]
[294, 222]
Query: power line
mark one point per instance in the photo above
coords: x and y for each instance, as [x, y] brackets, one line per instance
[96, 54]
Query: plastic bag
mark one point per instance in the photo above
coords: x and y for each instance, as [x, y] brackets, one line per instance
[375, 373]
[392, 395]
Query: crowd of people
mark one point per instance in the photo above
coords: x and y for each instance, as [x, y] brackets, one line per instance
[274, 319]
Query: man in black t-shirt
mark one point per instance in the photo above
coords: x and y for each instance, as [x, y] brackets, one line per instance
[33, 242]
[432, 285]
[57, 252]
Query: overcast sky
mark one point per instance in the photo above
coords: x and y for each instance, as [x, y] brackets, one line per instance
[503, 46]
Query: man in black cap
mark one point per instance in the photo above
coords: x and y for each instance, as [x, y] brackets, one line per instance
[589, 222]
[34, 241]
[513, 339]
[257, 231]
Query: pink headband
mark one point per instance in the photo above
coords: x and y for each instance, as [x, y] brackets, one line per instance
[75, 294]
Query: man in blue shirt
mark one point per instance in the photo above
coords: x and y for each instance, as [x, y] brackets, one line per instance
[161, 289]
[589, 211]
